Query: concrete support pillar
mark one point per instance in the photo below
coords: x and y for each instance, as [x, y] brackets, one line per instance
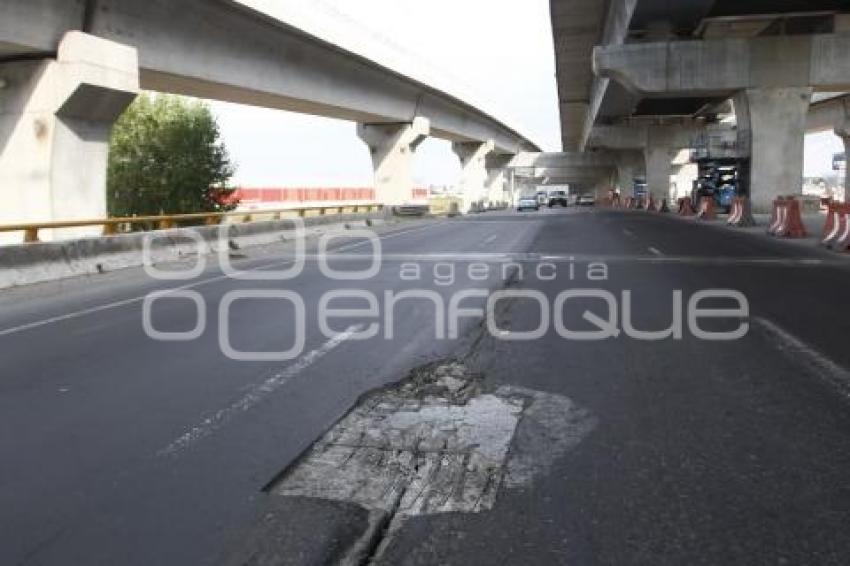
[663, 145]
[631, 166]
[845, 137]
[473, 177]
[497, 177]
[683, 180]
[772, 127]
[842, 130]
[604, 184]
[56, 117]
[392, 147]
[659, 168]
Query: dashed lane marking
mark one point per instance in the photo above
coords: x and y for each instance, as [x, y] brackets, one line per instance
[255, 395]
[802, 353]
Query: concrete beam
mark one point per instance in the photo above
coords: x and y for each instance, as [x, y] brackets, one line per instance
[56, 116]
[640, 136]
[392, 147]
[715, 67]
[573, 173]
[225, 50]
[828, 115]
[567, 160]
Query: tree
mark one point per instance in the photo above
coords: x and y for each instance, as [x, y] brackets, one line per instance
[166, 157]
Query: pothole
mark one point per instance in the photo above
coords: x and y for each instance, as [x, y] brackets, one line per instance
[433, 444]
[436, 443]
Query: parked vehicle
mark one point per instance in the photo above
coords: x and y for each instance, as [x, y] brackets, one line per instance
[528, 203]
[586, 200]
[558, 198]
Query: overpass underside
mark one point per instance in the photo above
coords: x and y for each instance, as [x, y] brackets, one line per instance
[739, 81]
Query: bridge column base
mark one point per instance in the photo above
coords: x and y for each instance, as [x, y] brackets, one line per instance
[772, 126]
[842, 130]
[56, 116]
[845, 137]
[631, 165]
[497, 175]
[393, 147]
[473, 178]
[659, 168]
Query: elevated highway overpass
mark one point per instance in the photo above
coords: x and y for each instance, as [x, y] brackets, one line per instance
[768, 72]
[68, 69]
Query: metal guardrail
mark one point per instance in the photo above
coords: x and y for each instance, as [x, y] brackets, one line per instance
[113, 226]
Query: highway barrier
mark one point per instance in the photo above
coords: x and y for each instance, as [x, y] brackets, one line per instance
[777, 215]
[664, 208]
[35, 262]
[836, 231]
[741, 214]
[117, 225]
[686, 207]
[707, 209]
[787, 219]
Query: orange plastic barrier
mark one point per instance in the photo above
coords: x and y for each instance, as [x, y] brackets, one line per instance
[741, 214]
[788, 221]
[707, 209]
[664, 207]
[686, 207]
[836, 231]
[777, 215]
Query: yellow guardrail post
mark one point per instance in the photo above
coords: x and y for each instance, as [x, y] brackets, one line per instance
[31, 235]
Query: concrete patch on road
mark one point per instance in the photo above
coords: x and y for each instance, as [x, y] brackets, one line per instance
[436, 443]
[551, 426]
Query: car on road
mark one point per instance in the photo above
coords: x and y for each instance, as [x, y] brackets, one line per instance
[527, 203]
[559, 198]
[586, 200]
[542, 197]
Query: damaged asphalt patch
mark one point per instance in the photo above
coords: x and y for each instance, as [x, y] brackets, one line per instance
[437, 442]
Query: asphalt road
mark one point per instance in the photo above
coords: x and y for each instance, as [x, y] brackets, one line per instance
[120, 449]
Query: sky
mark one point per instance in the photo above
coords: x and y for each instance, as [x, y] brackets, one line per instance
[501, 51]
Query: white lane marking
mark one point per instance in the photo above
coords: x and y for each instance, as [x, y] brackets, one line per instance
[628, 232]
[655, 251]
[800, 352]
[133, 300]
[255, 395]
[491, 239]
[496, 257]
